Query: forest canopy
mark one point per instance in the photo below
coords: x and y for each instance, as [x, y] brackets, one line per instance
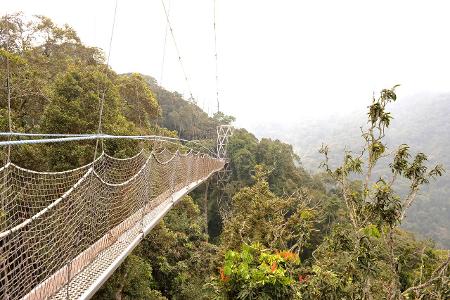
[286, 235]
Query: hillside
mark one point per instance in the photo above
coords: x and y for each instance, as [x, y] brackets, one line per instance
[421, 121]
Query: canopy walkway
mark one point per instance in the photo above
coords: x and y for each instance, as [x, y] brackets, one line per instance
[62, 234]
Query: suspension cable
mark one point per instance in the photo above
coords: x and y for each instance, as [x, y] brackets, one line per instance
[8, 86]
[164, 48]
[178, 51]
[102, 100]
[215, 55]
[8, 93]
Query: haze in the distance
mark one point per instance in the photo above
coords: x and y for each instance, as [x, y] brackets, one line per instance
[279, 61]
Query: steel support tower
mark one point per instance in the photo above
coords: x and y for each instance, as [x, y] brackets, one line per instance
[223, 176]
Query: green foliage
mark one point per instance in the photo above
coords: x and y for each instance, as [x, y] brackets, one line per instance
[133, 280]
[372, 231]
[179, 253]
[258, 273]
[140, 104]
[223, 119]
[189, 120]
[364, 254]
[286, 175]
[258, 215]
[420, 121]
[379, 203]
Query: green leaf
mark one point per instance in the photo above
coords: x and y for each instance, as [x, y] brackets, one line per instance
[306, 214]
[227, 269]
[372, 231]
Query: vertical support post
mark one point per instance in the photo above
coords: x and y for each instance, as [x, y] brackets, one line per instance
[189, 177]
[4, 244]
[69, 267]
[6, 174]
[173, 175]
[223, 134]
[197, 166]
[147, 193]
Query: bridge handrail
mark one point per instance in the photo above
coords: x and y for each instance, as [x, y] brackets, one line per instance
[60, 138]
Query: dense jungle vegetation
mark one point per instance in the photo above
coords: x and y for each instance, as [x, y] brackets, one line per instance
[421, 121]
[287, 234]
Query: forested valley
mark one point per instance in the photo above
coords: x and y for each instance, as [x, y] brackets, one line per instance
[286, 234]
[421, 121]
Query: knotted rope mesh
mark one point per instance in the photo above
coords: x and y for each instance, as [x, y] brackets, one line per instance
[54, 224]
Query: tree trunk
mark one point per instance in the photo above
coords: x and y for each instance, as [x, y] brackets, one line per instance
[118, 294]
[205, 208]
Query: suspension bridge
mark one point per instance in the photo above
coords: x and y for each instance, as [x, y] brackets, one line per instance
[62, 234]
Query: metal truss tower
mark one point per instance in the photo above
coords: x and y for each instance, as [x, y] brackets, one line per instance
[224, 175]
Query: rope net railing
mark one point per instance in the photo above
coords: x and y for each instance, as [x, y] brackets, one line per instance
[54, 224]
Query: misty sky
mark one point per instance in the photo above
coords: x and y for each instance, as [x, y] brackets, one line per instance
[283, 61]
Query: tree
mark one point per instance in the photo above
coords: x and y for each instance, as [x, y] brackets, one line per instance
[140, 105]
[132, 280]
[257, 215]
[178, 250]
[368, 250]
[223, 119]
[76, 93]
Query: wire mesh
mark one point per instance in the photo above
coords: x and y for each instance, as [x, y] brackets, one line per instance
[54, 224]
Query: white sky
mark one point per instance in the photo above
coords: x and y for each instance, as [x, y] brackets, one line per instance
[281, 60]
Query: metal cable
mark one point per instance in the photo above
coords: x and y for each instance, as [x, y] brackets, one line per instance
[8, 86]
[215, 55]
[59, 138]
[178, 51]
[164, 48]
[102, 101]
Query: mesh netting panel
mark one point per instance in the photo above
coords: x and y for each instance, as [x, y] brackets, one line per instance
[115, 170]
[24, 192]
[53, 225]
[40, 246]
